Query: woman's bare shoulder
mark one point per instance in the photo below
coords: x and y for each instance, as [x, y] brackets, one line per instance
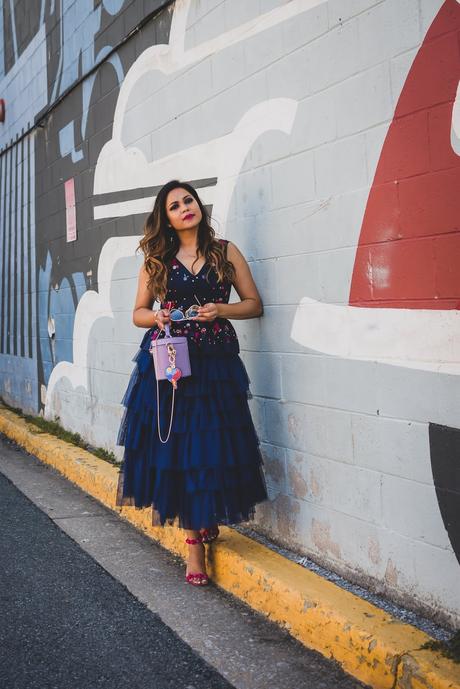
[234, 253]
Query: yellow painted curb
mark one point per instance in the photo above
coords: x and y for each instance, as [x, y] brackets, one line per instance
[367, 642]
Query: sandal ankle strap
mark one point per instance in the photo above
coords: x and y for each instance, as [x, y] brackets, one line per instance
[208, 535]
[193, 541]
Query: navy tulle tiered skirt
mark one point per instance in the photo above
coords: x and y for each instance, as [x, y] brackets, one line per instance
[211, 469]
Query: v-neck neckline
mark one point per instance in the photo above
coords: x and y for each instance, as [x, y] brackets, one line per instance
[189, 271]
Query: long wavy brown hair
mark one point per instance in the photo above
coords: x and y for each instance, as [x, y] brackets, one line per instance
[160, 243]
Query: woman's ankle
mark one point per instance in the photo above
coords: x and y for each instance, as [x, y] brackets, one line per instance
[192, 533]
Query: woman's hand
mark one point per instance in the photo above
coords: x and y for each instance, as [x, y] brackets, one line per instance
[162, 318]
[207, 313]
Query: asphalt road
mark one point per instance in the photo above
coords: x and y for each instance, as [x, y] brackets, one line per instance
[88, 601]
[65, 622]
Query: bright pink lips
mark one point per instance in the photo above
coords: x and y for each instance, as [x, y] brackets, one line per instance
[190, 215]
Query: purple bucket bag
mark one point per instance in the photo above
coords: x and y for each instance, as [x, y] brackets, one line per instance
[162, 354]
[171, 361]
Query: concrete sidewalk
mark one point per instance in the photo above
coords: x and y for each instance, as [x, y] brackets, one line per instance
[367, 642]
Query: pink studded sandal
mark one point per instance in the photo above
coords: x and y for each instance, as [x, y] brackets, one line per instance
[196, 578]
[208, 535]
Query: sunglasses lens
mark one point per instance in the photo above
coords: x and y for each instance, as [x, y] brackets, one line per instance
[176, 315]
[192, 311]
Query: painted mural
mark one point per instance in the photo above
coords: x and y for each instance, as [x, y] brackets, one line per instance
[406, 278]
[324, 138]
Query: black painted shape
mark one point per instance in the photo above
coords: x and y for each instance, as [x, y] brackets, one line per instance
[145, 192]
[3, 164]
[8, 47]
[114, 29]
[31, 288]
[445, 465]
[53, 47]
[26, 19]
[82, 256]
[8, 255]
[26, 24]
[23, 248]
[14, 249]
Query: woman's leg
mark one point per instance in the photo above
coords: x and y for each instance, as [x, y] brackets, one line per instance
[196, 561]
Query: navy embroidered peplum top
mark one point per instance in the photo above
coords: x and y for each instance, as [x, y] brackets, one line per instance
[185, 289]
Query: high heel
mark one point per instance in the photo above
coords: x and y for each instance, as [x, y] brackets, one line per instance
[196, 578]
[208, 535]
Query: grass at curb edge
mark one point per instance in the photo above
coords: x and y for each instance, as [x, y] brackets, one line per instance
[54, 428]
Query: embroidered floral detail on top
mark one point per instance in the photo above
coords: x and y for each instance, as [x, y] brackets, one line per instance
[183, 290]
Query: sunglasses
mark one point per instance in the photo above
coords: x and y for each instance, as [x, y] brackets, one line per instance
[178, 315]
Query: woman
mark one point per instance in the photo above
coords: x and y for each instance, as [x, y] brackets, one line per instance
[210, 470]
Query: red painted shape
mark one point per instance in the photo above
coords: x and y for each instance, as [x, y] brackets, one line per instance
[408, 253]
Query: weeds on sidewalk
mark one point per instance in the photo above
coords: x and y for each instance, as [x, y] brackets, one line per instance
[54, 428]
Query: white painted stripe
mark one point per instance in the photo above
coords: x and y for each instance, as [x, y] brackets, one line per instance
[25, 227]
[123, 208]
[25, 300]
[19, 272]
[14, 195]
[13, 30]
[424, 339]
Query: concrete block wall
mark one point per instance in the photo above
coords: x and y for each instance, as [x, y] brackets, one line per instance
[324, 134]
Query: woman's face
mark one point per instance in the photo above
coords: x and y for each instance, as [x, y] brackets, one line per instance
[182, 210]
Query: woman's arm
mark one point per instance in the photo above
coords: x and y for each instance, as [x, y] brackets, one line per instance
[143, 316]
[250, 305]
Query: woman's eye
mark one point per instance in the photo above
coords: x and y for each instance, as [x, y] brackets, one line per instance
[176, 205]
